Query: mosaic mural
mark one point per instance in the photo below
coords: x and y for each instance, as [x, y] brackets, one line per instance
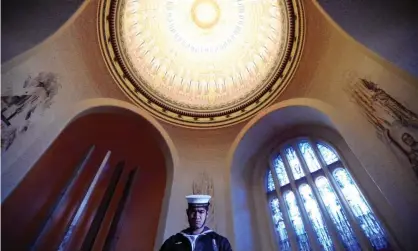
[395, 123]
[22, 107]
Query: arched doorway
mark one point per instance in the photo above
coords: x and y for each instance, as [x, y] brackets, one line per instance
[102, 184]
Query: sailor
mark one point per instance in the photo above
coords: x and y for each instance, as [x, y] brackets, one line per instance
[198, 237]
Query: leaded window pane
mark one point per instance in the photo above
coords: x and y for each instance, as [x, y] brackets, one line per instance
[280, 171]
[327, 153]
[294, 163]
[296, 219]
[361, 209]
[309, 156]
[335, 210]
[270, 182]
[290, 168]
[279, 225]
[315, 217]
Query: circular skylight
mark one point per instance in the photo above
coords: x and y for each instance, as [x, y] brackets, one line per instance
[198, 62]
[205, 13]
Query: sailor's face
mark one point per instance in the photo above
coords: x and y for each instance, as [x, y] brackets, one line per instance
[197, 217]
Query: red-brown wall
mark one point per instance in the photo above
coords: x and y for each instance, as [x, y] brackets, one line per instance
[130, 139]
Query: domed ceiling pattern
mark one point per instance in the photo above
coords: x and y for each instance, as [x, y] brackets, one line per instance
[201, 63]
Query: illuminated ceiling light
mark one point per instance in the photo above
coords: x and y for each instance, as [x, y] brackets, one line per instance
[205, 13]
[203, 54]
[201, 60]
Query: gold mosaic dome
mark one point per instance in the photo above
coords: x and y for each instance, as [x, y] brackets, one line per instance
[201, 63]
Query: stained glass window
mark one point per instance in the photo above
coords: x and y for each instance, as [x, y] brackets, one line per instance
[361, 209]
[335, 210]
[279, 225]
[325, 213]
[309, 156]
[270, 182]
[327, 153]
[314, 214]
[294, 163]
[281, 171]
[296, 219]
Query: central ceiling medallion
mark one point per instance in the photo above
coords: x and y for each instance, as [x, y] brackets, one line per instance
[201, 63]
[205, 13]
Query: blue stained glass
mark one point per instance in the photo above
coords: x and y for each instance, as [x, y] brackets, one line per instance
[294, 163]
[361, 209]
[279, 226]
[315, 217]
[296, 219]
[337, 214]
[270, 182]
[281, 171]
[327, 153]
[309, 156]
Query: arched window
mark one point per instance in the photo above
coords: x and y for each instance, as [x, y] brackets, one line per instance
[315, 202]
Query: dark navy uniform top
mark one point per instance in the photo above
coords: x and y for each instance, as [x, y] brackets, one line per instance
[208, 240]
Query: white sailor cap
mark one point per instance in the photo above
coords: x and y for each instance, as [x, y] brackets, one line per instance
[198, 200]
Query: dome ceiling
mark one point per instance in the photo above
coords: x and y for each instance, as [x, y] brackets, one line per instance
[201, 63]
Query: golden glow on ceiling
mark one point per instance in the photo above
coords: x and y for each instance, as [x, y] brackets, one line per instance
[203, 54]
[205, 13]
[202, 63]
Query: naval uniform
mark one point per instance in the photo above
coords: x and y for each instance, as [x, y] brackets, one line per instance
[208, 240]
